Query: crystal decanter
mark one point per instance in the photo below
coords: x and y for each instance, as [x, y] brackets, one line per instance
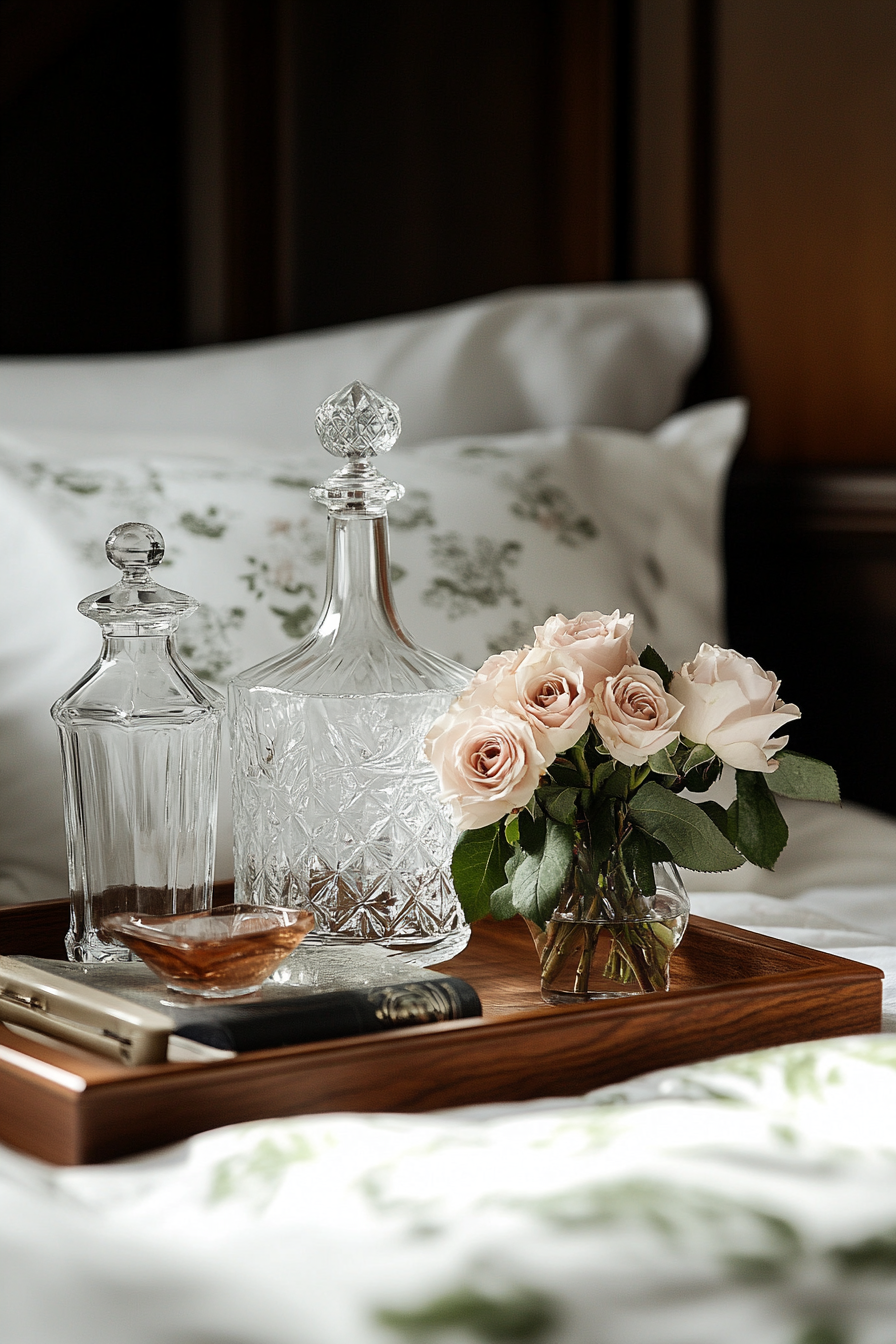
[140, 736]
[335, 807]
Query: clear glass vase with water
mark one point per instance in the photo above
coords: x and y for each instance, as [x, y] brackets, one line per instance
[610, 936]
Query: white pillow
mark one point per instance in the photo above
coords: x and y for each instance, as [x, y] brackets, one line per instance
[532, 358]
[41, 648]
[494, 534]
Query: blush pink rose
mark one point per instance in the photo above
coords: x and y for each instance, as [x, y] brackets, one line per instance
[547, 687]
[635, 715]
[601, 645]
[731, 704]
[488, 762]
[482, 689]
[499, 665]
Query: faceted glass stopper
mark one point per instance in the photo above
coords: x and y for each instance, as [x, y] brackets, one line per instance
[357, 423]
[135, 546]
[137, 603]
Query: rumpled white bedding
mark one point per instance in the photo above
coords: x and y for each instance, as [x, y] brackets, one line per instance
[751, 1199]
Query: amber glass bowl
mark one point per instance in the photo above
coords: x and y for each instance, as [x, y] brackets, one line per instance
[215, 953]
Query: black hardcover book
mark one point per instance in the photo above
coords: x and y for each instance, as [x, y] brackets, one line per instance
[327, 1016]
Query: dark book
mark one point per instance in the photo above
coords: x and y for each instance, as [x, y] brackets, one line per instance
[327, 1016]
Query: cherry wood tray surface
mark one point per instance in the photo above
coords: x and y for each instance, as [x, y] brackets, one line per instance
[732, 991]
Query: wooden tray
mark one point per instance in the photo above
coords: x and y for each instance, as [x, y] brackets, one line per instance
[732, 991]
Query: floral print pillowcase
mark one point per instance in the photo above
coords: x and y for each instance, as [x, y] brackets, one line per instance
[494, 532]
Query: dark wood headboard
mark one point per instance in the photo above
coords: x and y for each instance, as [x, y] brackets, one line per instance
[811, 558]
[178, 171]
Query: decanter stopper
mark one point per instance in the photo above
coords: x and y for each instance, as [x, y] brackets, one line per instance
[137, 602]
[357, 423]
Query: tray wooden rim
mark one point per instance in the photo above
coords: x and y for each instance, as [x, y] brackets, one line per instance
[818, 964]
[753, 1011]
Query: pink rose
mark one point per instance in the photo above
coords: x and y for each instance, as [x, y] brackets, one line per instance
[488, 762]
[547, 687]
[498, 665]
[635, 715]
[481, 690]
[601, 645]
[731, 704]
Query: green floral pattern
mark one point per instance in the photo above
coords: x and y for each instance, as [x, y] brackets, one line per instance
[492, 535]
[539, 499]
[747, 1199]
[471, 575]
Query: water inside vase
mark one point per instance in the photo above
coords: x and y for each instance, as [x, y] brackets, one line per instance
[600, 959]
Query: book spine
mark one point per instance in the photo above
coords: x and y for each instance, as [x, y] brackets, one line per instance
[323, 1017]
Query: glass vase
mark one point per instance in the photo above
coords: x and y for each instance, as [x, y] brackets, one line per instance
[608, 938]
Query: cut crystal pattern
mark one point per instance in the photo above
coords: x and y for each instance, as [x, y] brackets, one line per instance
[339, 813]
[357, 422]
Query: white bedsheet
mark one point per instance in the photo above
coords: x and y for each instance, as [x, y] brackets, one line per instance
[748, 1201]
[752, 1200]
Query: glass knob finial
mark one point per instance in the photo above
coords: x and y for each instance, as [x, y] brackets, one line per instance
[133, 546]
[357, 422]
[137, 603]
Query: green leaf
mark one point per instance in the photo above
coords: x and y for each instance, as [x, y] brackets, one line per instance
[650, 658]
[501, 904]
[477, 867]
[539, 879]
[761, 830]
[559, 803]
[602, 773]
[555, 865]
[532, 832]
[643, 852]
[661, 763]
[698, 756]
[803, 777]
[717, 815]
[600, 830]
[702, 777]
[731, 819]
[565, 774]
[512, 830]
[578, 753]
[618, 784]
[524, 885]
[685, 830]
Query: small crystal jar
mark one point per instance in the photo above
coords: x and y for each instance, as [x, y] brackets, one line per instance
[140, 738]
[335, 807]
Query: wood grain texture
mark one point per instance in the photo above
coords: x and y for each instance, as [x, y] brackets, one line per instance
[733, 990]
[662, 242]
[38, 929]
[805, 247]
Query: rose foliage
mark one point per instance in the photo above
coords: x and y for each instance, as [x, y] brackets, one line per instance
[577, 740]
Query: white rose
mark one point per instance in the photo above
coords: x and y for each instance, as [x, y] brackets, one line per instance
[488, 762]
[601, 645]
[731, 704]
[635, 715]
[548, 688]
